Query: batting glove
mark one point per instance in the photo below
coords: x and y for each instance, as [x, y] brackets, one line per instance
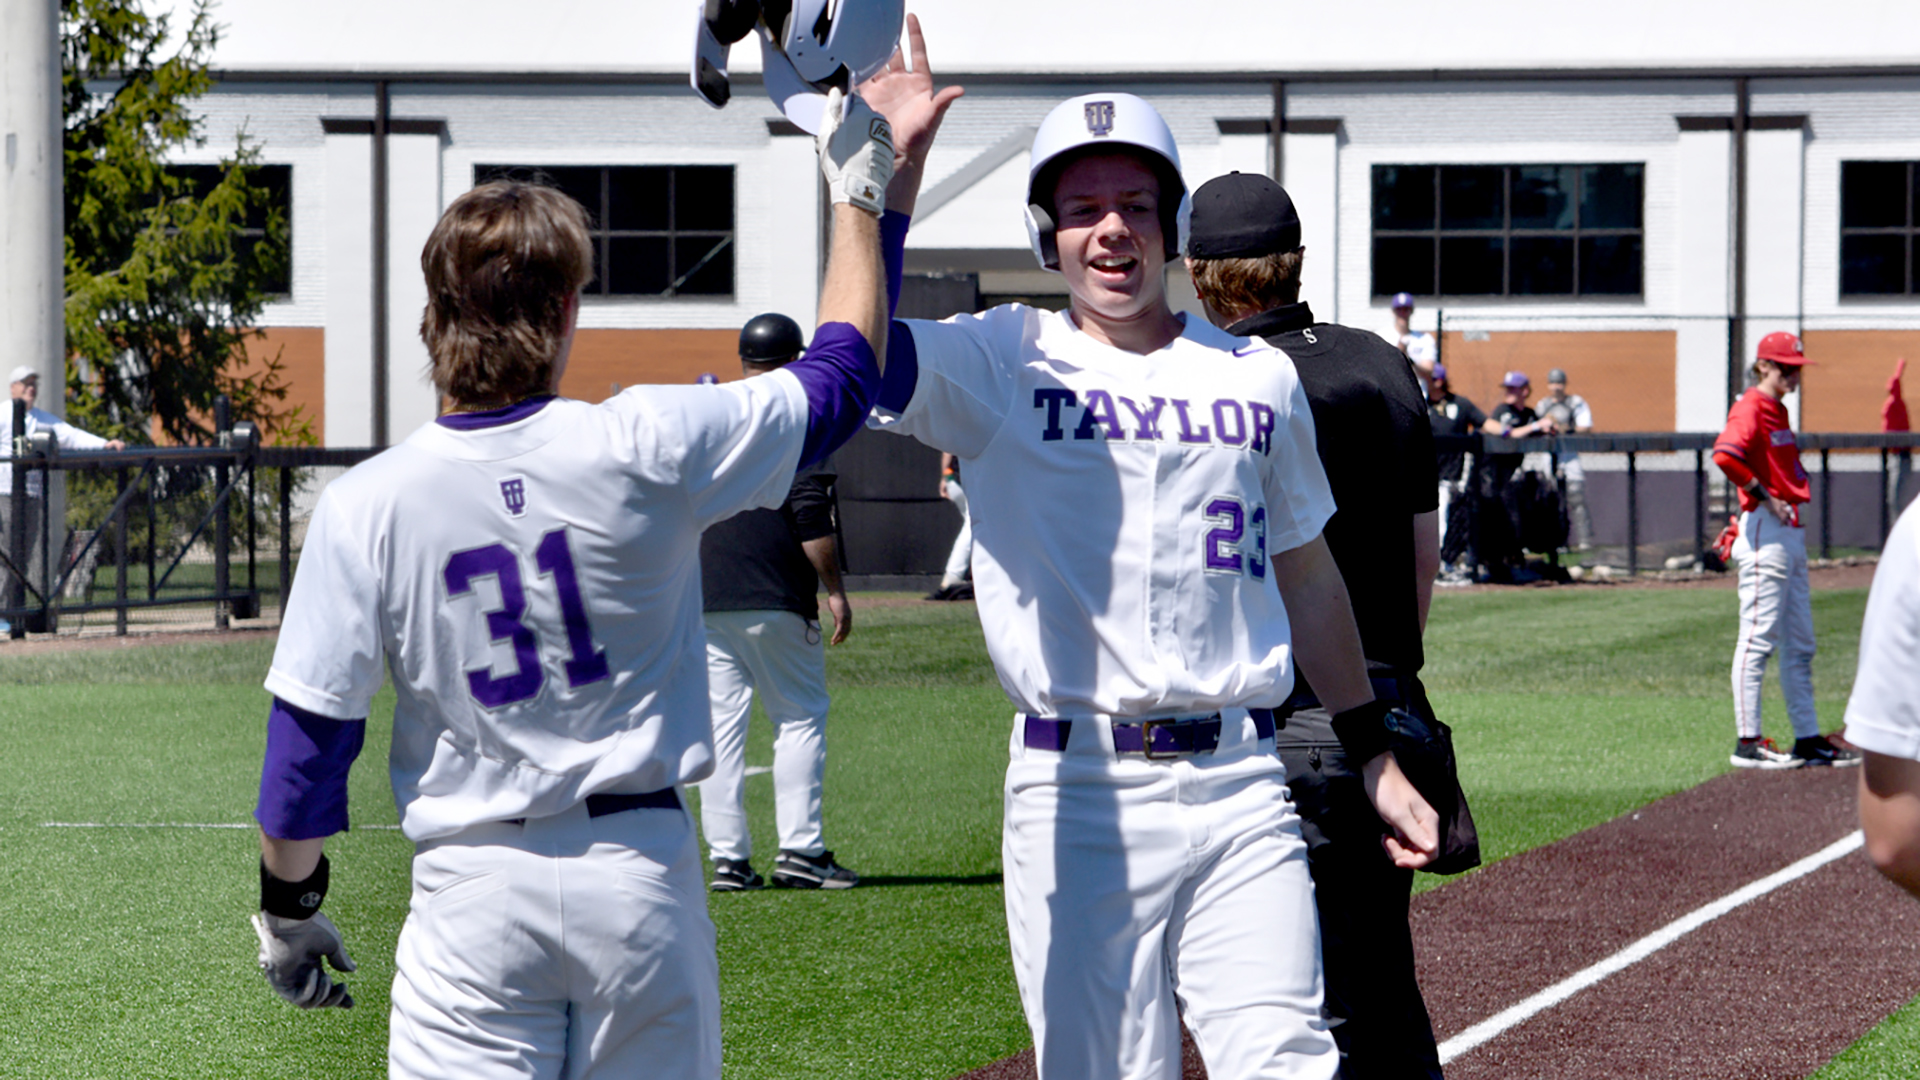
[290, 955]
[856, 152]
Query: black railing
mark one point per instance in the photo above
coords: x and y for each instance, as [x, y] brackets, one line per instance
[197, 504]
[1892, 449]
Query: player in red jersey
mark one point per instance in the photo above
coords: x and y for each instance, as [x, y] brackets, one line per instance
[1758, 453]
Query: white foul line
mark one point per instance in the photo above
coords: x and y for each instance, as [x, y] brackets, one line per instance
[168, 825]
[1553, 995]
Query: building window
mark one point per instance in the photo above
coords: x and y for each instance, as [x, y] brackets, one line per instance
[277, 180]
[1507, 230]
[658, 230]
[1879, 212]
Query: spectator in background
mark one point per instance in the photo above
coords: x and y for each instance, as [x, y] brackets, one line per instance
[1452, 414]
[760, 577]
[960, 558]
[1498, 537]
[25, 386]
[1420, 349]
[1571, 416]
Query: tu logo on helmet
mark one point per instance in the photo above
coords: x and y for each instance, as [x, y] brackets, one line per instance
[1100, 118]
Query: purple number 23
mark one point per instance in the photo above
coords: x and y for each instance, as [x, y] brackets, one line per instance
[587, 664]
[1222, 542]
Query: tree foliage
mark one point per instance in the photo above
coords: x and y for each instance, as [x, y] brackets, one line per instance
[162, 289]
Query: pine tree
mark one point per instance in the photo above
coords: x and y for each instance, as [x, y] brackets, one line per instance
[162, 290]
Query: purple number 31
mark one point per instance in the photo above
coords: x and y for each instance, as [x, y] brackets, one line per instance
[1221, 546]
[586, 663]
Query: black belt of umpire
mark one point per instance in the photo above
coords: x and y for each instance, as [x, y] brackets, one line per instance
[1396, 689]
[600, 805]
[1152, 739]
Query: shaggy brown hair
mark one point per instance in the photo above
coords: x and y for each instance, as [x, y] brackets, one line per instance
[1243, 288]
[501, 266]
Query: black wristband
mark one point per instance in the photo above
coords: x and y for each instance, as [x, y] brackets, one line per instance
[1362, 730]
[293, 899]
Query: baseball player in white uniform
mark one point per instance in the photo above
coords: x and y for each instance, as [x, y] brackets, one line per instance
[1144, 482]
[526, 567]
[1883, 715]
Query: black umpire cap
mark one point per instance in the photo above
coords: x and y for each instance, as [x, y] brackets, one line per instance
[1241, 216]
[771, 339]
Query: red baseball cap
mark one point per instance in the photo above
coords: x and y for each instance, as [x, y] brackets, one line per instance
[1782, 348]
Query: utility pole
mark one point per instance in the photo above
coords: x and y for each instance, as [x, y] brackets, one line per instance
[32, 285]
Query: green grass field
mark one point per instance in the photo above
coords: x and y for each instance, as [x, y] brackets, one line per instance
[124, 951]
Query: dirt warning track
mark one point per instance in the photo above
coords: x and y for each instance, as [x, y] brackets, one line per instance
[1757, 985]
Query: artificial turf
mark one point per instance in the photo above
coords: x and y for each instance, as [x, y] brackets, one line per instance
[125, 951]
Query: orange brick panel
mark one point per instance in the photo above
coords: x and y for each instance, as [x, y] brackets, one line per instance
[1626, 375]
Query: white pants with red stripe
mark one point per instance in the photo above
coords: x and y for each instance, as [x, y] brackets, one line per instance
[1776, 615]
[1141, 892]
[566, 948]
[781, 655]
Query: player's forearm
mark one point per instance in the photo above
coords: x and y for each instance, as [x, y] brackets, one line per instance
[291, 860]
[855, 290]
[825, 557]
[1426, 560]
[1890, 817]
[1326, 642]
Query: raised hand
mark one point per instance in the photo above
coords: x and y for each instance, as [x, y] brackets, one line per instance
[906, 97]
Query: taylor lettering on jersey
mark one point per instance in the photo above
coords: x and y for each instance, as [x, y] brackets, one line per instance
[1105, 415]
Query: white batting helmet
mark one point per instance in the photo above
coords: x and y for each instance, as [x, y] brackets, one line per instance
[1095, 121]
[806, 46]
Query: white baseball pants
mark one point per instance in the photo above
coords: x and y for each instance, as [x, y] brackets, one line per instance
[961, 556]
[567, 948]
[1776, 614]
[781, 655]
[1141, 891]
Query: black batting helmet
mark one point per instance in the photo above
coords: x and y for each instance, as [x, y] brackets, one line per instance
[771, 339]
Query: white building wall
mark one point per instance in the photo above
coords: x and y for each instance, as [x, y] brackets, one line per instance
[413, 206]
[1775, 183]
[348, 301]
[1703, 293]
[1312, 166]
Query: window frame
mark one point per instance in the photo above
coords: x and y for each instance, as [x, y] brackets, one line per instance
[253, 233]
[1506, 233]
[1909, 233]
[599, 290]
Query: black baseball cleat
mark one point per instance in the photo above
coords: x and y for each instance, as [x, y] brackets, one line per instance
[793, 870]
[1762, 754]
[1819, 750]
[734, 875]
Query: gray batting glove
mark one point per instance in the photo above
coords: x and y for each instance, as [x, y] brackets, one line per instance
[290, 955]
[856, 152]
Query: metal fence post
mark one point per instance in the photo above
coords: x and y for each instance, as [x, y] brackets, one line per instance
[1700, 505]
[222, 523]
[1826, 503]
[1633, 513]
[120, 555]
[16, 598]
[286, 538]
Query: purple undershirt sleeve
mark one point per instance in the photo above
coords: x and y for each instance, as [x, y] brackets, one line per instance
[903, 369]
[303, 784]
[893, 253]
[841, 378]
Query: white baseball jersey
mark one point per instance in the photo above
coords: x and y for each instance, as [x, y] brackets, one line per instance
[534, 587]
[1883, 715]
[1125, 508]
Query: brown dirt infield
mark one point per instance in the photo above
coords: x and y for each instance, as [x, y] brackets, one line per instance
[1769, 991]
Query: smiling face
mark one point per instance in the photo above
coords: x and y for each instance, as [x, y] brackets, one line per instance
[1111, 242]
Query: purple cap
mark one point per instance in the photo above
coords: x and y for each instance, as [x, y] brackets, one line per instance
[1515, 380]
[707, 378]
[1440, 372]
[1401, 300]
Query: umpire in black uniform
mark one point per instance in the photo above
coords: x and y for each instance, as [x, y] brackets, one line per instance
[1376, 444]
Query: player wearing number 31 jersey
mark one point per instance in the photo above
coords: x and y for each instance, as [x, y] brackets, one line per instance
[527, 569]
